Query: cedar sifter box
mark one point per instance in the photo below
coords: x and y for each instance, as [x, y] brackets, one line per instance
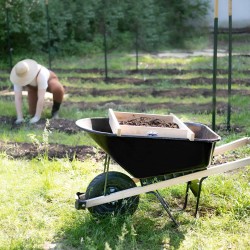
[115, 117]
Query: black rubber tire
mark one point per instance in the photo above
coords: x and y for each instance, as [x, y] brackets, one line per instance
[116, 182]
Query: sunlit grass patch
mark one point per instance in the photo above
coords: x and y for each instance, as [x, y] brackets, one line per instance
[40, 198]
[80, 75]
[149, 99]
[46, 206]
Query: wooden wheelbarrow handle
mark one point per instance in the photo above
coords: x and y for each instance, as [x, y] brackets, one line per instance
[231, 146]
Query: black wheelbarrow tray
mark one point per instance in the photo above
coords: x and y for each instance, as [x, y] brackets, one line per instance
[157, 162]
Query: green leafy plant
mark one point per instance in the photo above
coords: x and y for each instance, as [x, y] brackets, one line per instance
[42, 144]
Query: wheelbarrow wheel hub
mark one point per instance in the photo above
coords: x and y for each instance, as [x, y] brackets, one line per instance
[116, 182]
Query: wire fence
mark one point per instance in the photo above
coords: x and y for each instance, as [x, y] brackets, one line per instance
[137, 34]
[57, 26]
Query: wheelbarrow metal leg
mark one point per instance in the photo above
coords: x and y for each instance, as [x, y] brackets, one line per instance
[165, 205]
[198, 196]
[106, 170]
[186, 196]
[196, 193]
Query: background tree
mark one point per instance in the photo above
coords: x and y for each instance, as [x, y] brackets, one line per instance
[77, 26]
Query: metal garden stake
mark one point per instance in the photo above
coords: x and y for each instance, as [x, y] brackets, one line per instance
[48, 30]
[7, 6]
[229, 63]
[105, 39]
[215, 62]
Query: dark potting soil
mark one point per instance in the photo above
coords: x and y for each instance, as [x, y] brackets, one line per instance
[149, 122]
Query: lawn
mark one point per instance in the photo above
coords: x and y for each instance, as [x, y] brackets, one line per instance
[37, 192]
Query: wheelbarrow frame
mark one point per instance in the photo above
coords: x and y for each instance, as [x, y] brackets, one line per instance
[211, 170]
[83, 203]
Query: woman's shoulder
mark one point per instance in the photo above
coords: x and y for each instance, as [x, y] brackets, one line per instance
[42, 68]
[43, 71]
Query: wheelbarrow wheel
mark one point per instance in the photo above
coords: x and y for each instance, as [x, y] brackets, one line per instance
[116, 181]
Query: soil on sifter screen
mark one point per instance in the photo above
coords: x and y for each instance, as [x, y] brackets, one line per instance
[149, 122]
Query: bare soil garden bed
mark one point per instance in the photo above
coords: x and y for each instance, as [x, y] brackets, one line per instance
[27, 150]
[150, 81]
[80, 152]
[59, 151]
[173, 92]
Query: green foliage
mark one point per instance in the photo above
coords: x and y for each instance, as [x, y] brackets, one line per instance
[76, 25]
[26, 22]
[42, 144]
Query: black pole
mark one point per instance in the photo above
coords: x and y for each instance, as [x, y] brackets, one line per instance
[135, 26]
[137, 48]
[105, 51]
[105, 40]
[215, 62]
[8, 34]
[48, 30]
[229, 64]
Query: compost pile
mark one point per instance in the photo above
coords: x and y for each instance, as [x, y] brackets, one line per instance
[149, 122]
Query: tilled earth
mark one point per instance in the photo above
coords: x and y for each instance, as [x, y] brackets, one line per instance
[81, 152]
[29, 151]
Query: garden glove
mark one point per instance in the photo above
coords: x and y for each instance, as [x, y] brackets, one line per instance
[34, 119]
[19, 121]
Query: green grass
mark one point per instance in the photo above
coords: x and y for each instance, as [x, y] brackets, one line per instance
[25, 135]
[117, 61]
[37, 196]
[38, 208]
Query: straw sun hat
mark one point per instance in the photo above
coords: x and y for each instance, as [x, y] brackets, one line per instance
[24, 72]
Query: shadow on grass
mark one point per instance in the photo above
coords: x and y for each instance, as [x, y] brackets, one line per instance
[119, 232]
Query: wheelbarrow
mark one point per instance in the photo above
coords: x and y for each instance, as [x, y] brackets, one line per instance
[154, 162]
